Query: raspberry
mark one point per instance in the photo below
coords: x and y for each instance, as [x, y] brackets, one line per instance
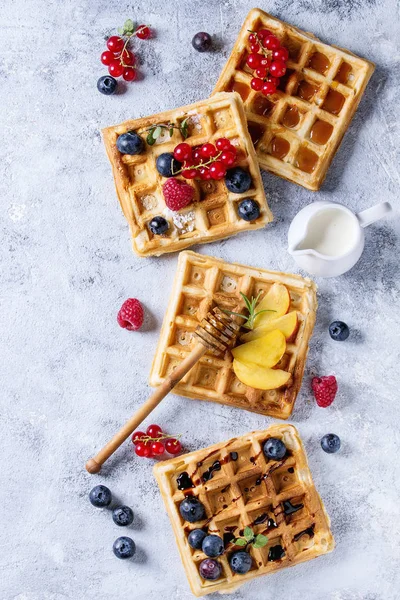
[131, 315]
[177, 194]
[324, 389]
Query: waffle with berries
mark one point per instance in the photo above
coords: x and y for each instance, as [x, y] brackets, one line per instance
[202, 282]
[297, 129]
[240, 487]
[213, 213]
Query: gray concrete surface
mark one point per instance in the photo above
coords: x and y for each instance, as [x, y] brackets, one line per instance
[69, 375]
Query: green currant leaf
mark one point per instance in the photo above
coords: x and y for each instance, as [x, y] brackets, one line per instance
[260, 541]
[240, 542]
[121, 31]
[129, 25]
[248, 533]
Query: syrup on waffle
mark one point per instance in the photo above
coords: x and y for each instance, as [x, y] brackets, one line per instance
[297, 131]
[202, 282]
[214, 213]
[239, 487]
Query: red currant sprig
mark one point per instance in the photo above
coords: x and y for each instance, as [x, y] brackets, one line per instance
[267, 59]
[208, 161]
[154, 442]
[118, 58]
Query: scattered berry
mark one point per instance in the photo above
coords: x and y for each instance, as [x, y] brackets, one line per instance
[330, 443]
[122, 515]
[157, 448]
[212, 546]
[249, 210]
[195, 538]
[130, 143]
[240, 562]
[173, 446]
[100, 496]
[191, 509]
[143, 32]
[183, 152]
[138, 436]
[124, 547]
[177, 194]
[153, 431]
[167, 165]
[202, 41]
[274, 449]
[115, 44]
[131, 315]
[158, 225]
[107, 85]
[237, 180]
[129, 74]
[324, 389]
[142, 449]
[107, 57]
[339, 331]
[210, 569]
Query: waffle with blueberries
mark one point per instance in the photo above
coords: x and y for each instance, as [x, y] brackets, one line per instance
[202, 282]
[187, 176]
[244, 508]
[299, 95]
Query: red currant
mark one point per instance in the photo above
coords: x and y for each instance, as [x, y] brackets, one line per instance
[142, 449]
[256, 84]
[115, 44]
[268, 88]
[189, 173]
[153, 431]
[263, 33]
[196, 156]
[228, 157]
[217, 170]
[281, 54]
[254, 47]
[274, 80]
[107, 57]
[128, 58]
[261, 72]
[252, 38]
[183, 152]
[143, 32]
[157, 448]
[277, 68]
[254, 60]
[223, 144]
[205, 173]
[129, 74]
[208, 150]
[271, 42]
[137, 436]
[173, 446]
[115, 68]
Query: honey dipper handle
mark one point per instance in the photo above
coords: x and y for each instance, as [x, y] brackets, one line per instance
[93, 465]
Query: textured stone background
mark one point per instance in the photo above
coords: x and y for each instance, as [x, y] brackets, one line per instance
[69, 376]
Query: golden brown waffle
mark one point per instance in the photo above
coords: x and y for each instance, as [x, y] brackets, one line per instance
[247, 489]
[213, 214]
[202, 282]
[297, 131]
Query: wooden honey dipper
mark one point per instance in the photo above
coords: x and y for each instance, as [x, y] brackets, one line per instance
[216, 333]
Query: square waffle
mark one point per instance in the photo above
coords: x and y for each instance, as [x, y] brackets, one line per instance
[213, 214]
[297, 131]
[240, 487]
[202, 282]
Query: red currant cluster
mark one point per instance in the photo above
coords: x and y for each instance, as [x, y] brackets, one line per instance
[154, 442]
[267, 59]
[208, 161]
[120, 60]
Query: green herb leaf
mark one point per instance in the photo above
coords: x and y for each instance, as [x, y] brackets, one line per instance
[121, 31]
[240, 542]
[157, 132]
[150, 139]
[260, 541]
[248, 533]
[183, 128]
[129, 26]
[171, 131]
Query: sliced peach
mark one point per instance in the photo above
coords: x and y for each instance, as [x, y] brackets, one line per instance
[265, 351]
[288, 325]
[259, 377]
[276, 301]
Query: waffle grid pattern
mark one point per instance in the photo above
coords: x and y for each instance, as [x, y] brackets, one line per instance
[243, 490]
[213, 214]
[297, 131]
[202, 282]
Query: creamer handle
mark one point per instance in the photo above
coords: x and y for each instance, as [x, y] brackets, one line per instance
[370, 215]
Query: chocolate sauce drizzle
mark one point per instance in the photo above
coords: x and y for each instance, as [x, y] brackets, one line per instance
[309, 531]
[276, 552]
[184, 482]
[290, 508]
[207, 475]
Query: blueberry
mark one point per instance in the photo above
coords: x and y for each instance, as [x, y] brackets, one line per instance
[195, 538]
[122, 515]
[100, 496]
[213, 546]
[274, 449]
[210, 569]
[124, 547]
[240, 562]
[167, 165]
[158, 225]
[202, 41]
[237, 180]
[249, 210]
[330, 443]
[192, 510]
[339, 331]
[107, 85]
[130, 143]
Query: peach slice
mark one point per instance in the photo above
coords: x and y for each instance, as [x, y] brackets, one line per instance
[265, 351]
[276, 300]
[259, 377]
[288, 325]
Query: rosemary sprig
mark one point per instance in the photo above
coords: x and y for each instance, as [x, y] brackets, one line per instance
[251, 306]
[154, 132]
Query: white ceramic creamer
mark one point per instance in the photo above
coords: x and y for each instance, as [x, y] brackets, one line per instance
[327, 239]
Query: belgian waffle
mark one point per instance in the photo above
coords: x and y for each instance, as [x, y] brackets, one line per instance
[213, 214]
[297, 131]
[240, 487]
[202, 282]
